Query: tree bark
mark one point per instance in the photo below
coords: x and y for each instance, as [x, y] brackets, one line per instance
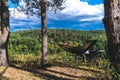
[112, 26]
[44, 59]
[4, 32]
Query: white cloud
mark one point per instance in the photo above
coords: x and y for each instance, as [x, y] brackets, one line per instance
[75, 10]
[91, 19]
[16, 15]
[72, 8]
[79, 8]
[20, 21]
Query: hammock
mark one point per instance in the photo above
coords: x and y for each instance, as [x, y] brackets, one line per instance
[78, 49]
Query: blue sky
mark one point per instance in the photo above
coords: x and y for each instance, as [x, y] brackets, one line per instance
[77, 15]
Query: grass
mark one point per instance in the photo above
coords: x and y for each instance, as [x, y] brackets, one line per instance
[62, 67]
[24, 60]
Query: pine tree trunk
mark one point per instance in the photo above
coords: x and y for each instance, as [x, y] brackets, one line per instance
[44, 59]
[112, 25]
[4, 32]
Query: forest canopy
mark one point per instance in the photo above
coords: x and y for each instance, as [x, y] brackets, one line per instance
[30, 41]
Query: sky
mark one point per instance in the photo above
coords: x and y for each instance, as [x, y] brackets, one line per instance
[77, 15]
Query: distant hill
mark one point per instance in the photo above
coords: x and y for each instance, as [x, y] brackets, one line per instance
[29, 41]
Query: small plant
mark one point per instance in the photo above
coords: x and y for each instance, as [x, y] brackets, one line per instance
[25, 60]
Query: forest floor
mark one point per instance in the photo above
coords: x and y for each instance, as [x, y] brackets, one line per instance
[27, 67]
[51, 73]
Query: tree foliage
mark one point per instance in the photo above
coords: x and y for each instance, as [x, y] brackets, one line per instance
[30, 41]
[32, 7]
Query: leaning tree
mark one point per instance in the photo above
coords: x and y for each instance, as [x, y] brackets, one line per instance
[4, 32]
[112, 26]
[38, 8]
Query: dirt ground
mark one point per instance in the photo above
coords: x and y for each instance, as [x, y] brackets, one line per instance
[50, 73]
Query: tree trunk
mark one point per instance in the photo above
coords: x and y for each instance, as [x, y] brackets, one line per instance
[44, 59]
[112, 25]
[4, 32]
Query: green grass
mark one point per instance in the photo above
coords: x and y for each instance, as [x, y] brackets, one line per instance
[98, 63]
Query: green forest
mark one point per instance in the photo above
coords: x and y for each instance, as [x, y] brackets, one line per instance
[25, 51]
[59, 54]
[29, 42]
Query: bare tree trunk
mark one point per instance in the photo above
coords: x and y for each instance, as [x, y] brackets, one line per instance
[44, 59]
[4, 32]
[112, 25]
